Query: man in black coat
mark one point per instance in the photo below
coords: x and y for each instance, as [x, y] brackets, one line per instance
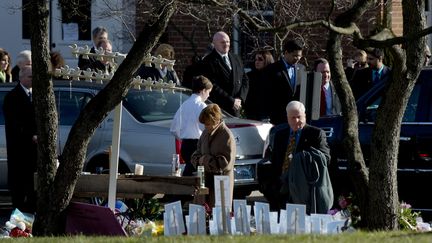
[21, 139]
[98, 34]
[284, 82]
[365, 79]
[225, 71]
[305, 137]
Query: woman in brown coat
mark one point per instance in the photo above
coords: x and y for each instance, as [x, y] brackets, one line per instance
[216, 150]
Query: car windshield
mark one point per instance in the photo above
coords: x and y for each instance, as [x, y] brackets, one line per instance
[148, 106]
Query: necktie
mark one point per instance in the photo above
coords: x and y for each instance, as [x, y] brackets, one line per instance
[323, 103]
[227, 62]
[376, 77]
[30, 96]
[289, 152]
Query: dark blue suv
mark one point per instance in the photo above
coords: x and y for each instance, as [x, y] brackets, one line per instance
[415, 151]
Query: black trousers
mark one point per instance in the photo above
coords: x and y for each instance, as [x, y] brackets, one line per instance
[188, 147]
[21, 186]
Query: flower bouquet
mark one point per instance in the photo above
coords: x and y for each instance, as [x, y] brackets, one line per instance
[347, 210]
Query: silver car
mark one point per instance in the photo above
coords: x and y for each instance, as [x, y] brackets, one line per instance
[145, 135]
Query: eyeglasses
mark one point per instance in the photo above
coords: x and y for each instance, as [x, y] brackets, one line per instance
[259, 59]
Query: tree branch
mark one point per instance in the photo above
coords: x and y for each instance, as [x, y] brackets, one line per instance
[383, 39]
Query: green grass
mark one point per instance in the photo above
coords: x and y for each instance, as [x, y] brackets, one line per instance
[381, 237]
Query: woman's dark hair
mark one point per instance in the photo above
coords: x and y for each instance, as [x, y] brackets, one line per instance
[4, 53]
[57, 60]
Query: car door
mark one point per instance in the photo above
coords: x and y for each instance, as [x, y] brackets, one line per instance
[409, 126]
[70, 103]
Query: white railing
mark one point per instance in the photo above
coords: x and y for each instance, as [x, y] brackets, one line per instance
[115, 59]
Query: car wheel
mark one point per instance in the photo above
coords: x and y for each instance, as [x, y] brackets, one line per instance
[100, 165]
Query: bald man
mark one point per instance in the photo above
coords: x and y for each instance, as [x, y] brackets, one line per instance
[225, 71]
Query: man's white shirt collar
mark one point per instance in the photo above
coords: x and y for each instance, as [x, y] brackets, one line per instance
[223, 55]
[25, 89]
[327, 85]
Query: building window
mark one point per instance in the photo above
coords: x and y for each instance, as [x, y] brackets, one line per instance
[250, 40]
[25, 19]
[77, 13]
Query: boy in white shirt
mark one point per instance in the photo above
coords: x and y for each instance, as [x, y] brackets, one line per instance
[185, 125]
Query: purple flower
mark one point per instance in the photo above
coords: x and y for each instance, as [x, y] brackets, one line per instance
[405, 205]
[333, 211]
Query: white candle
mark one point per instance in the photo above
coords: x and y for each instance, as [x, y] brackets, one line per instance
[139, 169]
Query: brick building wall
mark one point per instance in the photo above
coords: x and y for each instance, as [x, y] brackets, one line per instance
[397, 18]
[190, 37]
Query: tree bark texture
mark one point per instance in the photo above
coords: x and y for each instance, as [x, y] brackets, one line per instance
[56, 192]
[384, 201]
[356, 165]
[45, 110]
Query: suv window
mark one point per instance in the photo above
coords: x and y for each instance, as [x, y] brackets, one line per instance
[410, 111]
[70, 104]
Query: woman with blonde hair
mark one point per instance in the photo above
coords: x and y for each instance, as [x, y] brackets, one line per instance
[216, 150]
[165, 51]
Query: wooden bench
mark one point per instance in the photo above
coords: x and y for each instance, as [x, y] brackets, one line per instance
[135, 186]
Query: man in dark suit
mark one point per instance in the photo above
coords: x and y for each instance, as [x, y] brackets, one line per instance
[302, 137]
[104, 65]
[367, 78]
[284, 82]
[98, 34]
[21, 139]
[329, 101]
[225, 71]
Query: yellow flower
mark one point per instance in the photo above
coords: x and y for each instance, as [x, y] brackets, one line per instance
[158, 230]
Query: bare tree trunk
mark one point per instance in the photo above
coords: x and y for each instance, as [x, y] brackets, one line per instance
[45, 109]
[384, 200]
[383, 196]
[56, 190]
[357, 169]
